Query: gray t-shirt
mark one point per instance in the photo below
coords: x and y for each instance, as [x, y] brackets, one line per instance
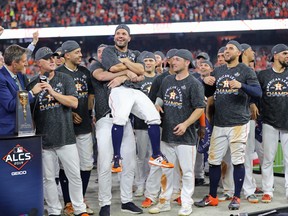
[274, 101]
[181, 98]
[84, 88]
[111, 56]
[145, 87]
[53, 119]
[101, 93]
[232, 105]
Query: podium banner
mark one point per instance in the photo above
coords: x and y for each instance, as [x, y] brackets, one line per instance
[21, 188]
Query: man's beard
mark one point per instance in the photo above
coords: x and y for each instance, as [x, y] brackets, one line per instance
[284, 63]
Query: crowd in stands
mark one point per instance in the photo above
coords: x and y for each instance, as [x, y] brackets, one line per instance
[51, 13]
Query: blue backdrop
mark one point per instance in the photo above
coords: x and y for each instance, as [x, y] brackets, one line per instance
[21, 179]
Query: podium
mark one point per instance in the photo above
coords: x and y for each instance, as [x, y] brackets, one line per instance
[21, 177]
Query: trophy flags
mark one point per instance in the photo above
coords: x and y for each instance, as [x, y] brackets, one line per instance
[24, 124]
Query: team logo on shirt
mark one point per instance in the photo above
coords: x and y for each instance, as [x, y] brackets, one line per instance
[81, 86]
[145, 87]
[223, 86]
[173, 97]
[277, 88]
[47, 101]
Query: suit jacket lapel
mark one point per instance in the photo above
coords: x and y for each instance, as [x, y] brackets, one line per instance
[10, 79]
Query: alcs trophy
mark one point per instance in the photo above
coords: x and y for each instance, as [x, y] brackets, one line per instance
[24, 123]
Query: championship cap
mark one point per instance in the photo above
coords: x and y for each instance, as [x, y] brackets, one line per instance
[235, 43]
[148, 55]
[221, 50]
[171, 53]
[207, 62]
[69, 46]
[185, 54]
[44, 53]
[277, 49]
[244, 47]
[203, 55]
[161, 54]
[123, 26]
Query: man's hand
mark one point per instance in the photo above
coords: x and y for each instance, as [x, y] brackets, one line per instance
[209, 80]
[254, 111]
[159, 109]
[1, 30]
[201, 132]
[35, 38]
[234, 84]
[123, 60]
[117, 81]
[138, 78]
[180, 129]
[37, 88]
[132, 76]
[76, 118]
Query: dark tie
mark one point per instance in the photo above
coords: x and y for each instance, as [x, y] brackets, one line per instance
[18, 82]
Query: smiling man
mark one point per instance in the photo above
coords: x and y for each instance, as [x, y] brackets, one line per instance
[72, 54]
[233, 84]
[52, 116]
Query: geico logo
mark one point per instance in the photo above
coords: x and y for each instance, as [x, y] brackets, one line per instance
[24, 172]
[18, 157]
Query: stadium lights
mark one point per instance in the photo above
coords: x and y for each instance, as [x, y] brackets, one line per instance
[160, 28]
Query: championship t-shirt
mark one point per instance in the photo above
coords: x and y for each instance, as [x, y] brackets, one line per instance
[145, 87]
[231, 105]
[53, 119]
[111, 56]
[274, 101]
[101, 93]
[82, 80]
[181, 98]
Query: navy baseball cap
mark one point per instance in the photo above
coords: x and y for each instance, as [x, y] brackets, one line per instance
[207, 62]
[148, 55]
[235, 43]
[44, 53]
[69, 46]
[171, 53]
[161, 54]
[185, 54]
[221, 50]
[244, 47]
[277, 49]
[122, 26]
[203, 55]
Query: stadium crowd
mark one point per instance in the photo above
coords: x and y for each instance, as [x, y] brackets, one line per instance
[50, 13]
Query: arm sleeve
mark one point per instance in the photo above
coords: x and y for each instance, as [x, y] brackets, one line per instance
[252, 90]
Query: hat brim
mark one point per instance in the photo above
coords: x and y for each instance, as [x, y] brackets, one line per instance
[48, 56]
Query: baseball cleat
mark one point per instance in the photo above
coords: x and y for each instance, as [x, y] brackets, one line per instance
[208, 200]
[161, 161]
[116, 166]
[234, 204]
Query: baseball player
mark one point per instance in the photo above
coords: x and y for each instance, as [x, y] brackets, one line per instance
[181, 101]
[273, 108]
[143, 144]
[249, 186]
[233, 84]
[160, 57]
[71, 52]
[53, 117]
[102, 81]
[127, 98]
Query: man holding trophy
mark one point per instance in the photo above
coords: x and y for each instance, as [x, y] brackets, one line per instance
[53, 118]
[11, 82]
